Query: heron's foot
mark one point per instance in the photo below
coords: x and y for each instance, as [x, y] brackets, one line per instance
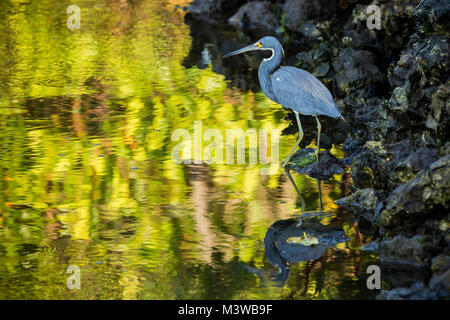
[284, 164]
[305, 236]
[316, 153]
[309, 240]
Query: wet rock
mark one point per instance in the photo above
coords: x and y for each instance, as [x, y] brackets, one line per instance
[399, 100]
[304, 161]
[310, 31]
[362, 201]
[405, 170]
[416, 251]
[433, 16]
[440, 111]
[351, 146]
[386, 166]
[440, 283]
[423, 60]
[372, 118]
[255, 15]
[422, 89]
[396, 25]
[418, 291]
[317, 60]
[356, 27]
[345, 4]
[355, 69]
[381, 124]
[305, 59]
[322, 70]
[440, 264]
[399, 151]
[421, 198]
[297, 12]
[421, 63]
[369, 167]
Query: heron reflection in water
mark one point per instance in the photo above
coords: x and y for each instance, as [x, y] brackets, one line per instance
[302, 239]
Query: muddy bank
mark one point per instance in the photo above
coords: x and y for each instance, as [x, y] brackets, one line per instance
[392, 86]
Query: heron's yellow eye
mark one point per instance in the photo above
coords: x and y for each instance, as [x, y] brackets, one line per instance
[259, 44]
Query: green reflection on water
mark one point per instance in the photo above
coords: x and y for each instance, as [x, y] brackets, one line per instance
[86, 118]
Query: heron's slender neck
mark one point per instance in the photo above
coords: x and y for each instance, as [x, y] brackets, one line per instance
[266, 68]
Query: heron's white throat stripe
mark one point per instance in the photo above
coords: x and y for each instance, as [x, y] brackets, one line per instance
[273, 53]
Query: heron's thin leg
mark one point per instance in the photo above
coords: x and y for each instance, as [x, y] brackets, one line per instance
[319, 127]
[300, 137]
[320, 195]
[296, 189]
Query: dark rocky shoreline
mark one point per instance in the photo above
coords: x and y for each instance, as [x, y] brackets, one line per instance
[392, 86]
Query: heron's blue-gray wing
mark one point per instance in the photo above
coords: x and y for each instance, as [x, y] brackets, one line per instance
[299, 90]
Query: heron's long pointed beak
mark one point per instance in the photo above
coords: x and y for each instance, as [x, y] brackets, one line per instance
[246, 49]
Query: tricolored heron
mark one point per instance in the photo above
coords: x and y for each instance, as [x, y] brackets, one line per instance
[293, 88]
